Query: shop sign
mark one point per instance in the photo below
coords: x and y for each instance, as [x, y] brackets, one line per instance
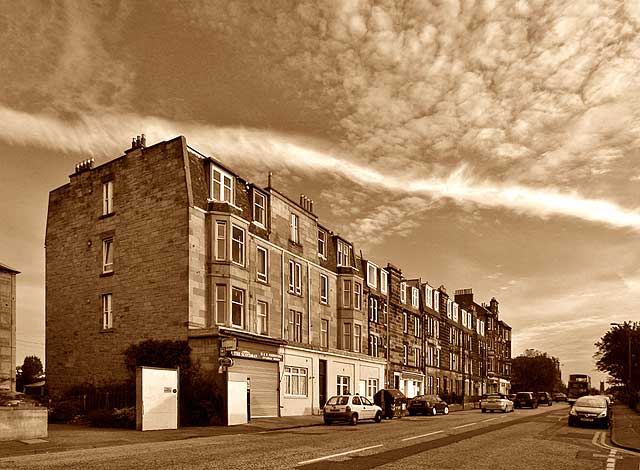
[265, 356]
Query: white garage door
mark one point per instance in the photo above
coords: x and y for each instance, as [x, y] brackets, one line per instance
[264, 385]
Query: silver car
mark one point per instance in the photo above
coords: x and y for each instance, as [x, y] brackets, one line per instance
[496, 402]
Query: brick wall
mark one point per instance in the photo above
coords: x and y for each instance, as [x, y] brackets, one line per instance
[151, 280]
[7, 330]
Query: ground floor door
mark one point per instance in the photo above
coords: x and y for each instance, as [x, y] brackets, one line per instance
[322, 382]
[262, 383]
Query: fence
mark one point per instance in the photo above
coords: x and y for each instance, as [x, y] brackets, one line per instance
[106, 400]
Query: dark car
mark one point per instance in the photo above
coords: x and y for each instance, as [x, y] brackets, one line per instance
[392, 401]
[590, 410]
[558, 396]
[527, 399]
[427, 405]
[544, 398]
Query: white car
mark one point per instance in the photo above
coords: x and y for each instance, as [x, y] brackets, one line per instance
[350, 408]
[495, 402]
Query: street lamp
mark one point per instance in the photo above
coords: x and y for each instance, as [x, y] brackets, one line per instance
[628, 328]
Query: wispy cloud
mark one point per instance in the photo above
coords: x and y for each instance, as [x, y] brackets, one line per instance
[104, 135]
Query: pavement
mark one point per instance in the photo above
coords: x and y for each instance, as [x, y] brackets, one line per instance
[625, 433]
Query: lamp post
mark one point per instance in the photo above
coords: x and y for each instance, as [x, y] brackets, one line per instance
[628, 328]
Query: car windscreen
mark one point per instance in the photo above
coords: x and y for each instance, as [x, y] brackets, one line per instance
[338, 401]
[591, 402]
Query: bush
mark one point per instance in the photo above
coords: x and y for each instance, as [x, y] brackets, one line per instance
[66, 411]
[113, 418]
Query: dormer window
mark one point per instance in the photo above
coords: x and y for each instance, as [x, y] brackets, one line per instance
[403, 292]
[344, 254]
[415, 297]
[259, 208]
[428, 295]
[221, 185]
[372, 275]
[383, 281]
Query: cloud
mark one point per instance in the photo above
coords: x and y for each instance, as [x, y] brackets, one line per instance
[93, 135]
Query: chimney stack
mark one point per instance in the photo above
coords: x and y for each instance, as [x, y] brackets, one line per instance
[137, 142]
[84, 165]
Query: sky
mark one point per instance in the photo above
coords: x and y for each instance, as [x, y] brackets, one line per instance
[474, 144]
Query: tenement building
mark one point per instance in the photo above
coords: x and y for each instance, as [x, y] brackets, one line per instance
[8, 328]
[167, 243]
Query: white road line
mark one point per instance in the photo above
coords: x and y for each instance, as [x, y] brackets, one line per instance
[422, 435]
[464, 425]
[304, 462]
[485, 420]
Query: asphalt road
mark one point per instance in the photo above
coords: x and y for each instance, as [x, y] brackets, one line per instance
[523, 440]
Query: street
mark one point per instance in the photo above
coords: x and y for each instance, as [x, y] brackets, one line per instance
[526, 439]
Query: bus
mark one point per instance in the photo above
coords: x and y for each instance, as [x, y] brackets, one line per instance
[579, 385]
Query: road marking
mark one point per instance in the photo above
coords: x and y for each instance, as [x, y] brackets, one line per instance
[304, 462]
[422, 435]
[490, 419]
[464, 425]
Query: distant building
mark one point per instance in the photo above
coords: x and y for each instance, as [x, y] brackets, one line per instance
[8, 327]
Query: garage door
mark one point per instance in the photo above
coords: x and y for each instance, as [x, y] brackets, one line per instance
[264, 385]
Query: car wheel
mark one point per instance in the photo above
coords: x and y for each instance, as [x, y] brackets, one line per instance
[378, 417]
[504, 410]
[550, 403]
[434, 411]
[354, 419]
[412, 413]
[327, 421]
[570, 423]
[484, 410]
[445, 410]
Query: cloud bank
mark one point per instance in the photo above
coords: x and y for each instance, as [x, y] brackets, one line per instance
[103, 135]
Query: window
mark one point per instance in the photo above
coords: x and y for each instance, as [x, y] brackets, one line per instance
[107, 255]
[374, 342]
[346, 293]
[417, 356]
[346, 337]
[436, 300]
[295, 326]
[455, 311]
[237, 307]
[405, 322]
[344, 254]
[295, 278]
[373, 309]
[221, 185]
[372, 387]
[464, 317]
[324, 333]
[428, 295]
[262, 318]
[416, 327]
[221, 240]
[383, 281]
[415, 297]
[322, 243]
[221, 303]
[324, 289]
[295, 229]
[107, 312]
[259, 208]
[357, 295]
[237, 245]
[403, 292]
[262, 265]
[405, 351]
[372, 275]
[107, 198]
[342, 382]
[357, 338]
[295, 379]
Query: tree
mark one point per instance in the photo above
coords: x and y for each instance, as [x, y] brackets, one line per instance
[535, 371]
[28, 372]
[618, 355]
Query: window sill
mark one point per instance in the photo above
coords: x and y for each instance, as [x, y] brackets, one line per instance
[106, 330]
[107, 274]
[230, 204]
[296, 397]
[264, 283]
[106, 216]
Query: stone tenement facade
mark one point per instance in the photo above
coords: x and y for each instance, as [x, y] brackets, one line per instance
[167, 243]
[8, 328]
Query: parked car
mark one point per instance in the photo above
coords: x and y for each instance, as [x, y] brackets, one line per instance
[392, 401]
[427, 405]
[511, 396]
[544, 398]
[350, 408]
[590, 410]
[495, 402]
[523, 399]
[558, 396]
